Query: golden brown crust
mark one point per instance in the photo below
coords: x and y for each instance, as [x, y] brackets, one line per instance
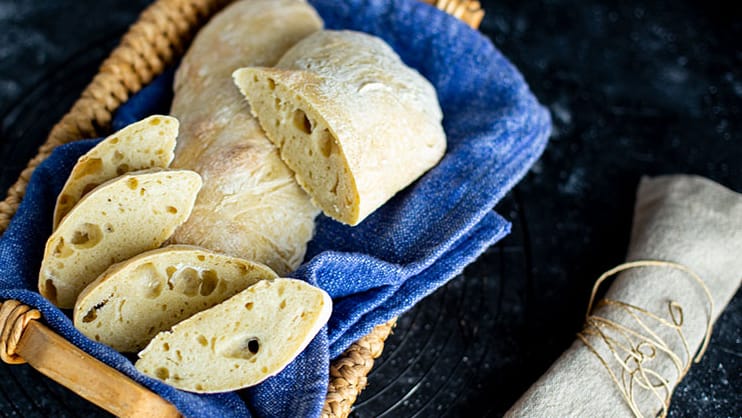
[250, 206]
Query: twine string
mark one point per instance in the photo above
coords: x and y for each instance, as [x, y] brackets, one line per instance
[632, 348]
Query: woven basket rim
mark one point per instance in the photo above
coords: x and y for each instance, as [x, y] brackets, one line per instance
[158, 37]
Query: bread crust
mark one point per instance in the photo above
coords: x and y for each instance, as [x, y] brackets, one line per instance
[349, 117]
[250, 206]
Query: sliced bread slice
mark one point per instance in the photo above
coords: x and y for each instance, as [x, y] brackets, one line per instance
[240, 342]
[149, 143]
[352, 121]
[117, 220]
[134, 300]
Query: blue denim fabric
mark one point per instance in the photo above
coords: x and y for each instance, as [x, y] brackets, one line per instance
[377, 270]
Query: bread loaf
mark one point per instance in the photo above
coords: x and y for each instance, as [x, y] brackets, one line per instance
[134, 300]
[117, 220]
[241, 341]
[250, 206]
[148, 143]
[349, 117]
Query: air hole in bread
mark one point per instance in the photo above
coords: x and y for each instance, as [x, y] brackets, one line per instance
[49, 290]
[187, 282]
[243, 348]
[142, 191]
[171, 209]
[92, 314]
[150, 280]
[209, 280]
[282, 305]
[132, 183]
[253, 346]
[202, 340]
[179, 355]
[302, 122]
[166, 347]
[86, 235]
[199, 386]
[117, 156]
[61, 250]
[201, 257]
[249, 306]
[281, 289]
[114, 141]
[334, 188]
[326, 143]
[89, 166]
[122, 169]
[154, 121]
[162, 373]
[121, 309]
[271, 84]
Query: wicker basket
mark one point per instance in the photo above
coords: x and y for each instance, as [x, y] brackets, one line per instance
[159, 36]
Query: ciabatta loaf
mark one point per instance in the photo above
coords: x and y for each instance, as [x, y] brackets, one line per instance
[117, 220]
[240, 342]
[349, 117]
[250, 206]
[148, 143]
[134, 300]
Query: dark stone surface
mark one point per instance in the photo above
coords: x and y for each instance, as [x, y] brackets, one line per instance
[633, 89]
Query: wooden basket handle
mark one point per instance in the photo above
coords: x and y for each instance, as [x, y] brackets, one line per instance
[23, 338]
[159, 35]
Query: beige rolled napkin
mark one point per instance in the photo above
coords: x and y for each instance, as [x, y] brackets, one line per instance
[659, 315]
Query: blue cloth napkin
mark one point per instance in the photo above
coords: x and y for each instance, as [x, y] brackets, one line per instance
[414, 244]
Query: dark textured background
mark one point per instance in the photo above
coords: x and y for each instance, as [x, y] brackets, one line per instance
[633, 89]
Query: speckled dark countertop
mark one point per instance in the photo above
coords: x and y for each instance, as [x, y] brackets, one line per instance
[633, 89]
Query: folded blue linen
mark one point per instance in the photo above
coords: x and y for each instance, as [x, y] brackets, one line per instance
[379, 269]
